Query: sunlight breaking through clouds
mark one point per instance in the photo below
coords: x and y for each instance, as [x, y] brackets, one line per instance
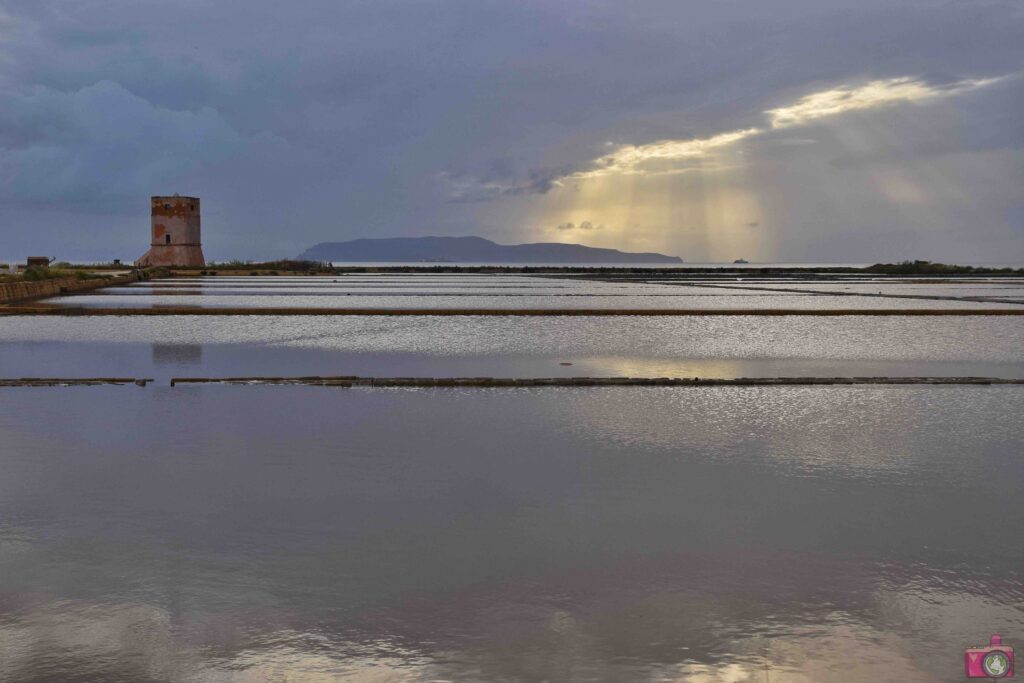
[633, 158]
[675, 156]
[871, 95]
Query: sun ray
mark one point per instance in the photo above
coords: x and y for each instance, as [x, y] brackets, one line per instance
[697, 196]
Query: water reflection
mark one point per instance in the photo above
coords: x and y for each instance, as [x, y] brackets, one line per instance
[296, 533]
[177, 354]
[736, 301]
[498, 291]
[517, 347]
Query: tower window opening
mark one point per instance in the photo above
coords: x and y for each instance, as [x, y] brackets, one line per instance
[167, 239]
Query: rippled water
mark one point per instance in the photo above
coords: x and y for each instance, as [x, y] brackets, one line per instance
[217, 534]
[739, 346]
[1005, 289]
[743, 301]
[245, 533]
[447, 291]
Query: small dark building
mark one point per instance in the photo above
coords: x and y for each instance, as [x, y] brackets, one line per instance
[38, 262]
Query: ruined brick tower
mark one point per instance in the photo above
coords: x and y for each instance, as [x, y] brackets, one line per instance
[176, 237]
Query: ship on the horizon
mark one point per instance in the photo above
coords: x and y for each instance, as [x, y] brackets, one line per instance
[740, 260]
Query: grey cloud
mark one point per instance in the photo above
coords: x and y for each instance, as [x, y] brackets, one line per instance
[583, 225]
[101, 144]
[469, 188]
[321, 120]
[986, 120]
[940, 182]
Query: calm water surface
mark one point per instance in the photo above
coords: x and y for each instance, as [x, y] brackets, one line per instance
[712, 535]
[735, 346]
[501, 291]
[298, 533]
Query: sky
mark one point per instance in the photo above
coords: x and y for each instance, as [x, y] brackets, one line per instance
[786, 131]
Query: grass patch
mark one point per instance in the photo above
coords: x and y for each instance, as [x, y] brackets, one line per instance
[37, 274]
[929, 268]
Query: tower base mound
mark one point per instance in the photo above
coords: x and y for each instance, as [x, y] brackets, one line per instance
[172, 255]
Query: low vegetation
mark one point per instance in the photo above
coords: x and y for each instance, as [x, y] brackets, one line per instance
[929, 268]
[268, 267]
[36, 274]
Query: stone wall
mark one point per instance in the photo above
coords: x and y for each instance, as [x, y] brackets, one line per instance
[41, 289]
[177, 234]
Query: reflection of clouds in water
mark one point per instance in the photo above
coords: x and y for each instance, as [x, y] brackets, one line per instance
[134, 641]
[621, 534]
[858, 431]
[811, 656]
[97, 640]
[676, 367]
[741, 337]
[942, 613]
[698, 617]
[177, 354]
[310, 657]
[707, 299]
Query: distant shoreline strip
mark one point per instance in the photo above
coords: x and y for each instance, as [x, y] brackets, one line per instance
[70, 311]
[499, 382]
[508, 382]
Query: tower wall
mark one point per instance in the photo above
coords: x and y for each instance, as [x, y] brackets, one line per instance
[176, 236]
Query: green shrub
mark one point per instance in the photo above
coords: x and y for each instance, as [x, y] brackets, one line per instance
[35, 274]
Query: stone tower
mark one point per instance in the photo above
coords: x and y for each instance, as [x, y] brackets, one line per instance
[176, 235]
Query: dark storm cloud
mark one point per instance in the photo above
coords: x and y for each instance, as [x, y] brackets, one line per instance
[299, 122]
[101, 144]
[506, 183]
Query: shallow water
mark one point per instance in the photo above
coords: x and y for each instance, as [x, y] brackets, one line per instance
[745, 301]
[298, 533]
[1005, 289]
[739, 346]
[896, 337]
[717, 535]
[501, 291]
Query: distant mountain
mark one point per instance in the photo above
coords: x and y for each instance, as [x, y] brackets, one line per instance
[472, 250]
